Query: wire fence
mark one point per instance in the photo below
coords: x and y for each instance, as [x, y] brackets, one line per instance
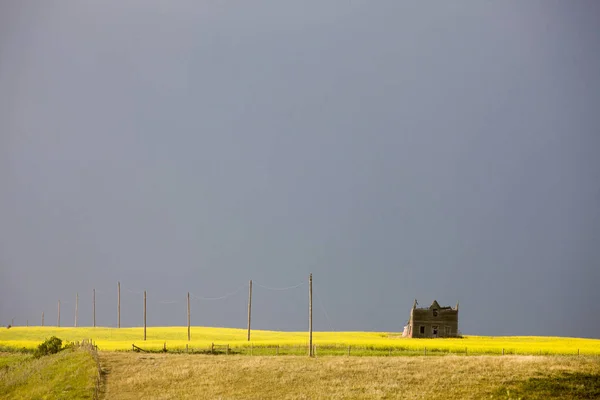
[349, 350]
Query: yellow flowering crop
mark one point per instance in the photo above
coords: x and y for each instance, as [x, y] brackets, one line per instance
[203, 337]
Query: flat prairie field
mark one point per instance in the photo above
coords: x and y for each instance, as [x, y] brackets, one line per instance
[185, 376]
[296, 343]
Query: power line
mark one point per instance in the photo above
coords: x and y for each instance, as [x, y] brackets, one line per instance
[133, 291]
[279, 289]
[167, 302]
[220, 297]
[325, 311]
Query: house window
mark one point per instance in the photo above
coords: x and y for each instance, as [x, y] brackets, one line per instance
[434, 331]
[422, 330]
[435, 312]
[447, 330]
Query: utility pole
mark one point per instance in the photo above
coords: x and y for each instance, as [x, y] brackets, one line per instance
[310, 328]
[76, 308]
[249, 307]
[144, 315]
[58, 319]
[94, 307]
[118, 304]
[188, 304]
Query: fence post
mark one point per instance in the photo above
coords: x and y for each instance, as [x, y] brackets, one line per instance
[186, 348]
[250, 348]
[425, 350]
[212, 348]
[277, 350]
[503, 351]
[390, 351]
[348, 350]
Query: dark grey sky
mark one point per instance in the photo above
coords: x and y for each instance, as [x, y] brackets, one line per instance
[397, 150]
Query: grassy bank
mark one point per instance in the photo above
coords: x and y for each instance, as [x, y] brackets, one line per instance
[133, 376]
[264, 342]
[69, 374]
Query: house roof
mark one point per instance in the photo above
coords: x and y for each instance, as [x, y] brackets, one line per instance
[434, 305]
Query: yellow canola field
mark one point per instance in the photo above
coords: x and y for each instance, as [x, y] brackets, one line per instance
[114, 339]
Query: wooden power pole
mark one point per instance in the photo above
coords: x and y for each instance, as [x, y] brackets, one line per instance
[118, 304]
[310, 329]
[94, 307]
[189, 321]
[76, 308]
[249, 307]
[144, 315]
[58, 319]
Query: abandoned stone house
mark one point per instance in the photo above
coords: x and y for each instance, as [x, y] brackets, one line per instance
[432, 322]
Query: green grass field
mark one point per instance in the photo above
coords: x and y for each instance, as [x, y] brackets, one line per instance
[70, 374]
[264, 342]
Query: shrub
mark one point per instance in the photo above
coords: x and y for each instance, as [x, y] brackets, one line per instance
[49, 346]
